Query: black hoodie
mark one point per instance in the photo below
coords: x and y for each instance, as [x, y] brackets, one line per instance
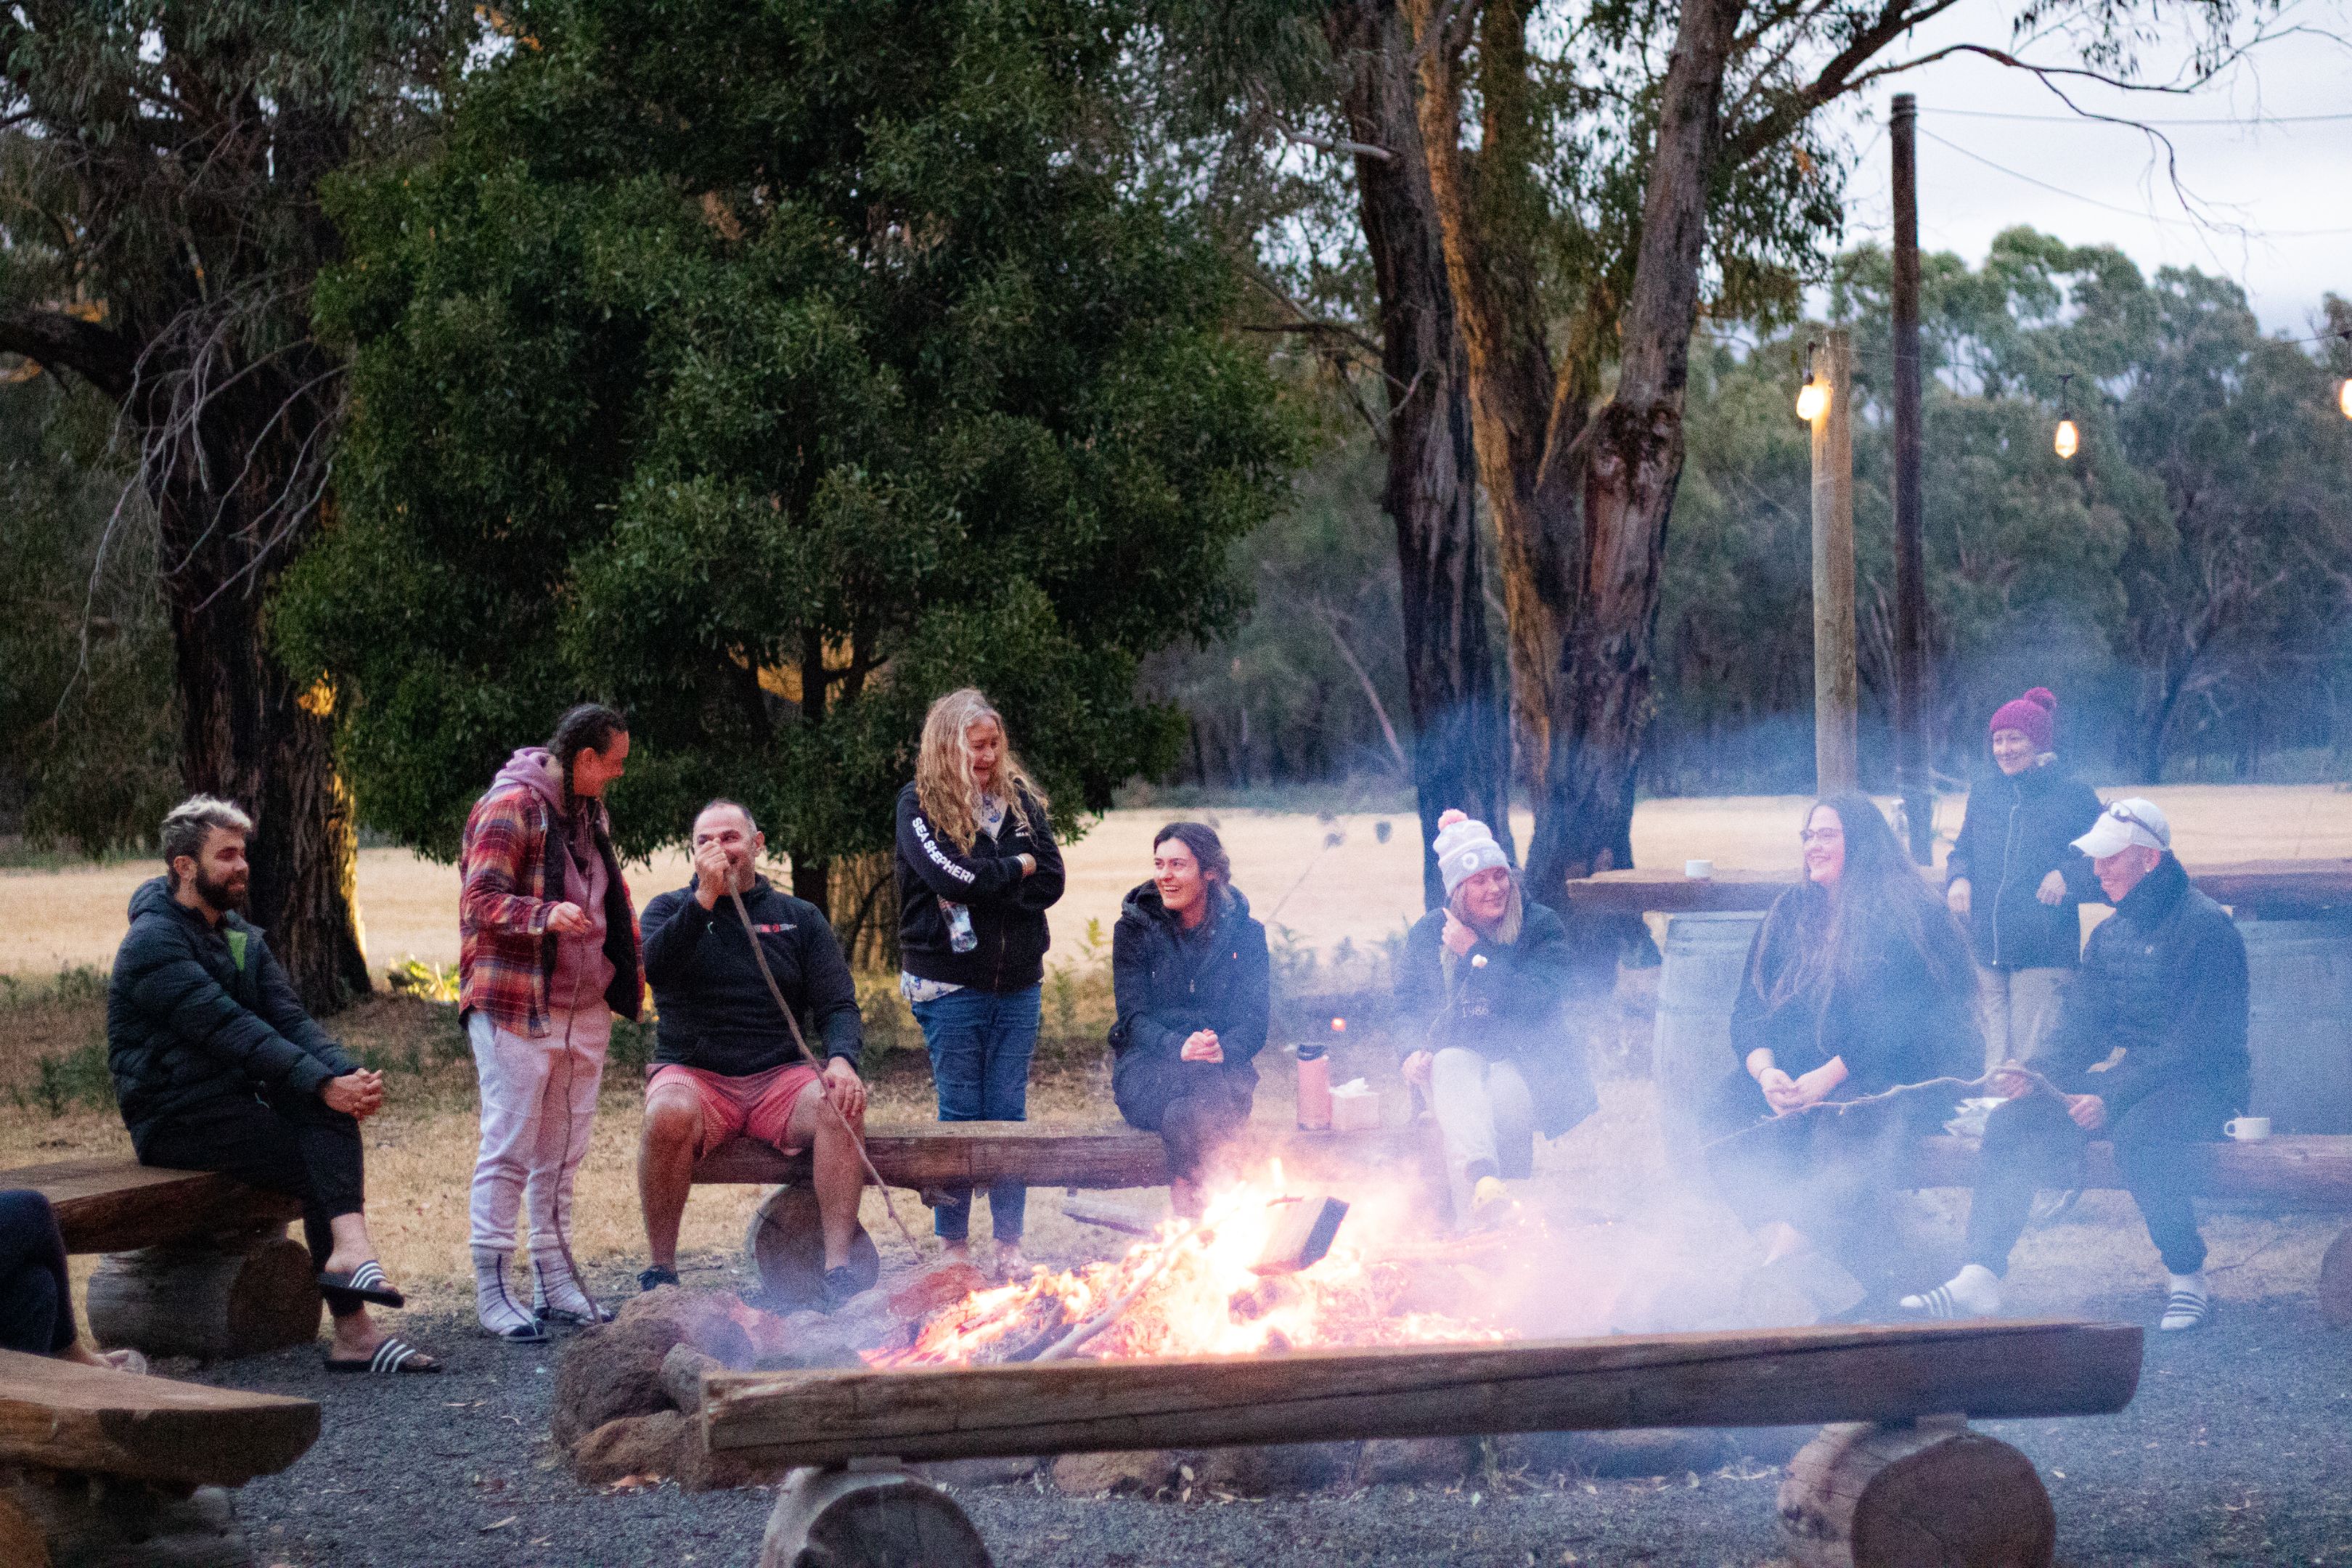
[1170, 982]
[2017, 831]
[1008, 909]
[716, 1010]
[196, 1014]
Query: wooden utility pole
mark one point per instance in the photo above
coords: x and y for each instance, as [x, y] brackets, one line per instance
[1835, 685]
[1913, 775]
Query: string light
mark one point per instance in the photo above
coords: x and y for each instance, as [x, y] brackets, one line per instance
[2344, 398]
[1814, 397]
[2069, 440]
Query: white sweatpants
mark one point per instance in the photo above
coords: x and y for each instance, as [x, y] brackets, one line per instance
[539, 1103]
[1485, 1114]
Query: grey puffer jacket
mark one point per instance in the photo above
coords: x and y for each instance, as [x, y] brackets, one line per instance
[196, 1013]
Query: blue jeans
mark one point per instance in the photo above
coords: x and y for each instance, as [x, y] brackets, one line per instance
[980, 1044]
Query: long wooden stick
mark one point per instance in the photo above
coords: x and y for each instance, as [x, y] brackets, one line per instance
[857, 1139]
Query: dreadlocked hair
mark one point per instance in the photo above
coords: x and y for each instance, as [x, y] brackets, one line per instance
[1879, 898]
[944, 786]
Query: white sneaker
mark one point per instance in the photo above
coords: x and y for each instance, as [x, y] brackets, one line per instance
[2188, 1304]
[1973, 1292]
[556, 1295]
[494, 1303]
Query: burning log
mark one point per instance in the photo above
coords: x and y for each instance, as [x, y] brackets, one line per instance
[1792, 1376]
[1302, 1237]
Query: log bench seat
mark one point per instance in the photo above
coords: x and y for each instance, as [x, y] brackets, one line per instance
[97, 1465]
[2307, 1171]
[195, 1264]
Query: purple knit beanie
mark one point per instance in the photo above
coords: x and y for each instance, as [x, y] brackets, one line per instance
[2035, 714]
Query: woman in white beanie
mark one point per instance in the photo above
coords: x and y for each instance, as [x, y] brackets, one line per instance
[1482, 995]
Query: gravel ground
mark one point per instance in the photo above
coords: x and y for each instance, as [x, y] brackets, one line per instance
[2238, 1450]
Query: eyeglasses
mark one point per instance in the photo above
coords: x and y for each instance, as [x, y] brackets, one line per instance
[1821, 835]
[2123, 812]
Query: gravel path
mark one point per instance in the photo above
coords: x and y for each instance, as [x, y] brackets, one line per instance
[2238, 1450]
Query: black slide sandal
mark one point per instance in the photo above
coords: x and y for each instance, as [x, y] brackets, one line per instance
[393, 1355]
[365, 1283]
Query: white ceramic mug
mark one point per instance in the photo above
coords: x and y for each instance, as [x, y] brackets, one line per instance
[1698, 870]
[2247, 1129]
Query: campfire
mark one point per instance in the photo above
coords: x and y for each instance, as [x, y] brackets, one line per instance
[1267, 1270]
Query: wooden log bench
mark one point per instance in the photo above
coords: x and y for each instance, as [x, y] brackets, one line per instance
[2310, 1171]
[1897, 1479]
[195, 1264]
[783, 1246]
[101, 1466]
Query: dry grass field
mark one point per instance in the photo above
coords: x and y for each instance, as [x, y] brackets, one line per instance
[1356, 893]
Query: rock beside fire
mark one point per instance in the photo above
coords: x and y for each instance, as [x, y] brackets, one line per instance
[649, 1445]
[1146, 1470]
[614, 1369]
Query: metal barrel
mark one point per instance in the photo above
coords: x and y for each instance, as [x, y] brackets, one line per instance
[2299, 977]
[1691, 1052]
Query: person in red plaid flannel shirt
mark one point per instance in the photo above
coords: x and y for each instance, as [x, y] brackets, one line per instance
[547, 954]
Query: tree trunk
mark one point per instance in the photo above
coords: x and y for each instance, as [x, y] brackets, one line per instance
[247, 734]
[1462, 750]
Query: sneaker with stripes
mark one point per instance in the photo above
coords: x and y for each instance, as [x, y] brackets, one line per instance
[1973, 1292]
[2187, 1304]
[556, 1294]
[494, 1303]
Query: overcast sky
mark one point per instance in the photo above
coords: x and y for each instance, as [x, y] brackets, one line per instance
[2289, 185]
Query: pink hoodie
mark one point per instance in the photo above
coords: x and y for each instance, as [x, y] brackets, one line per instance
[581, 969]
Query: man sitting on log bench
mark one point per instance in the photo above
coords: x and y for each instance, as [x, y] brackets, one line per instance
[218, 1067]
[726, 1061]
[2150, 1050]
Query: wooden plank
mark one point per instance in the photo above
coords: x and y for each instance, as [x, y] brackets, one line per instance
[2268, 888]
[66, 1416]
[975, 1154]
[2313, 1169]
[114, 1204]
[2028, 1368]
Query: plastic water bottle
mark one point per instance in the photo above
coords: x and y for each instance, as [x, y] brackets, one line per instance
[1314, 1089]
[960, 936]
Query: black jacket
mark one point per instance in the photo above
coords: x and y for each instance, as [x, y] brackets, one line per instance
[196, 1015]
[1892, 1025]
[1008, 909]
[716, 1012]
[1513, 1007]
[1170, 982]
[2017, 831]
[2164, 978]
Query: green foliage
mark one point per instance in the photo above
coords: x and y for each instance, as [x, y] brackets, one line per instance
[770, 401]
[76, 1080]
[88, 737]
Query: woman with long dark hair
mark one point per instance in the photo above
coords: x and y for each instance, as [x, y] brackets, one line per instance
[1858, 981]
[978, 867]
[1189, 970]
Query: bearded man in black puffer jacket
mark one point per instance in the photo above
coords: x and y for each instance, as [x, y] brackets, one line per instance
[219, 1067]
[2150, 1050]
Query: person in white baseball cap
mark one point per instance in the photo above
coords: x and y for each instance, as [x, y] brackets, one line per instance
[1482, 995]
[2149, 1051]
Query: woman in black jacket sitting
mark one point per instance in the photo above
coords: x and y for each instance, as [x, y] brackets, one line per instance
[1859, 980]
[1189, 966]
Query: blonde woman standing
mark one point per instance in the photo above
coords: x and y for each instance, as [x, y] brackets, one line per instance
[978, 869]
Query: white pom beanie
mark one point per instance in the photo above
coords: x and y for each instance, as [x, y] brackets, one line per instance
[1464, 847]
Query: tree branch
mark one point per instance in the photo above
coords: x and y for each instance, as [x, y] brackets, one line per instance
[99, 354]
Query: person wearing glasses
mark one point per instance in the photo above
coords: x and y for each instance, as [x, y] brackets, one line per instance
[2149, 1051]
[1859, 980]
[2017, 881]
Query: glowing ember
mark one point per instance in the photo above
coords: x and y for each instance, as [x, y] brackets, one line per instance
[1192, 1291]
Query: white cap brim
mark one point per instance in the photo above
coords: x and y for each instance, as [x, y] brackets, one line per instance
[2113, 835]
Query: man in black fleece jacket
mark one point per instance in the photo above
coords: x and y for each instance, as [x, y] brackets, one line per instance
[725, 1060]
[2149, 1051]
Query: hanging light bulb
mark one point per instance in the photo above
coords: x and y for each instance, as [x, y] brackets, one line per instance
[2344, 398]
[1814, 395]
[2069, 440]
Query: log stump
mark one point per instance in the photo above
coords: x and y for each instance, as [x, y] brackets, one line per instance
[2335, 1281]
[54, 1519]
[214, 1297]
[784, 1245]
[1931, 1494]
[881, 1517]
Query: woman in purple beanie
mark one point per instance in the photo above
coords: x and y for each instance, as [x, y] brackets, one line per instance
[2017, 881]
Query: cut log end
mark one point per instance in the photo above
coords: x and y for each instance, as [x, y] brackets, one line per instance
[784, 1245]
[1929, 1495]
[2335, 1281]
[214, 1298]
[841, 1518]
